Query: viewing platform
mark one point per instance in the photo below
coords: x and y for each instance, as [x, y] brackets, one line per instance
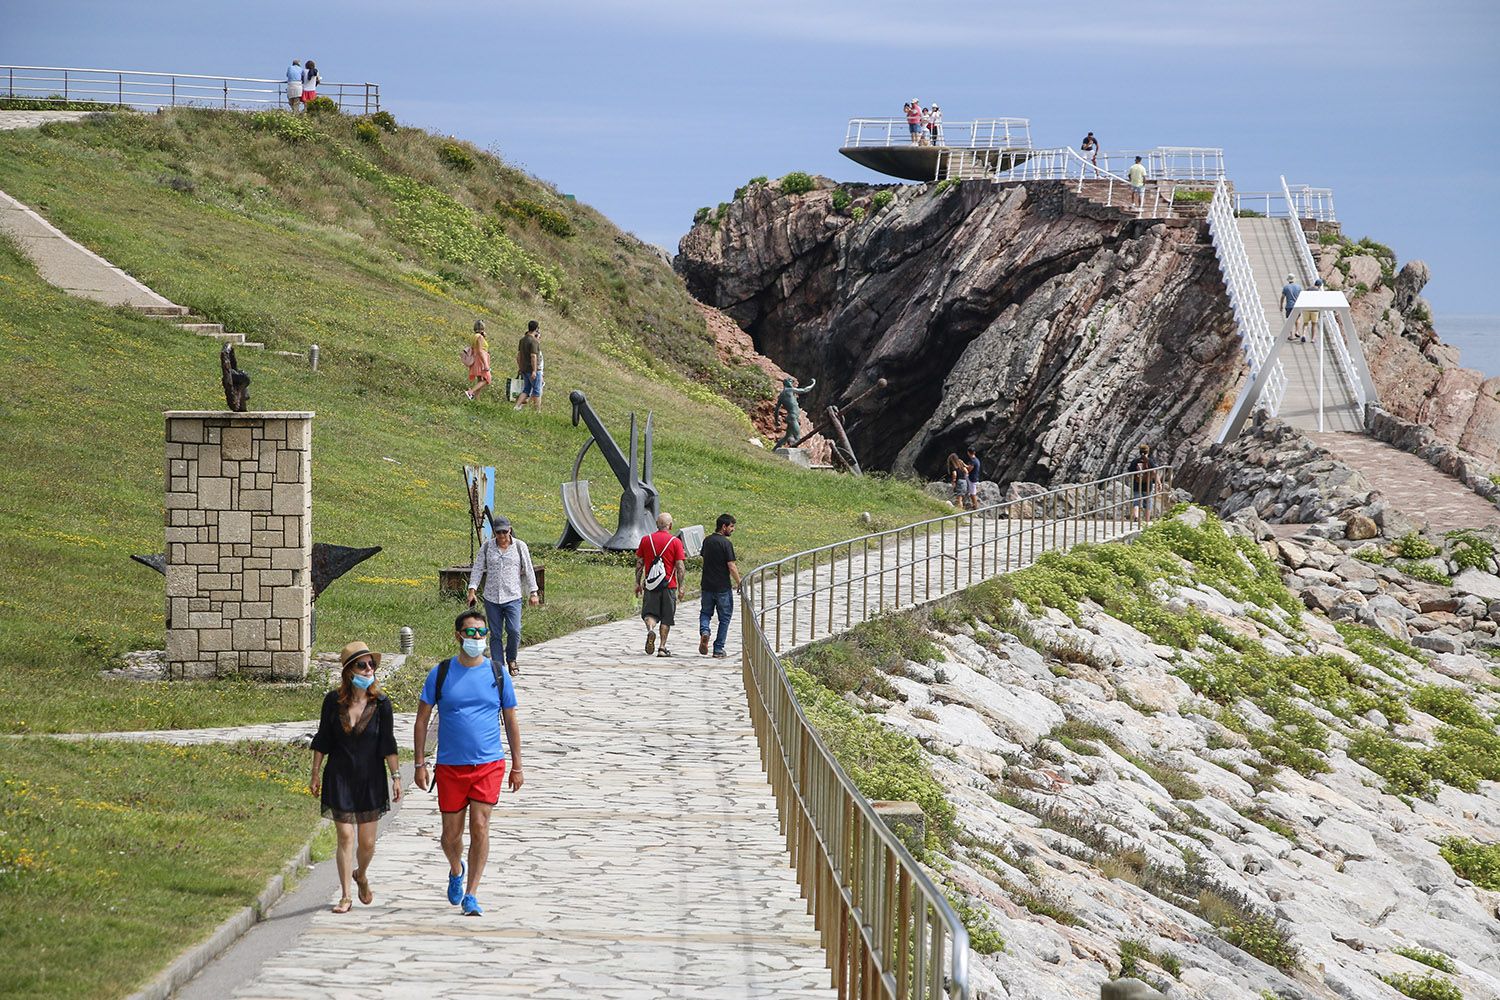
[979, 149]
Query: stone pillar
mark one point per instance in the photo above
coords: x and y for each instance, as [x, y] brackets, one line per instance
[239, 544]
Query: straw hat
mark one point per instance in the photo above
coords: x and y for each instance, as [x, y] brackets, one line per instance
[355, 650]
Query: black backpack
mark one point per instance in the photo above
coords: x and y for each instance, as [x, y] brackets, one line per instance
[442, 675]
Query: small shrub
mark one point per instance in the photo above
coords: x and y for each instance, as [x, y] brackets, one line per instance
[857, 213]
[385, 121]
[283, 124]
[797, 182]
[1192, 197]
[1469, 550]
[1135, 954]
[1428, 987]
[983, 937]
[945, 184]
[367, 132]
[1249, 213]
[1373, 556]
[456, 156]
[1436, 960]
[881, 200]
[702, 215]
[1495, 478]
[548, 219]
[1479, 863]
[322, 106]
[1453, 705]
[177, 182]
[1413, 546]
[841, 199]
[1423, 571]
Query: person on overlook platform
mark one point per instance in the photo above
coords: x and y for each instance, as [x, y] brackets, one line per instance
[660, 561]
[529, 366]
[1136, 175]
[1289, 293]
[1090, 149]
[935, 124]
[471, 695]
[477, 357]
[505, 563]
[1142, 486]
[310, 81]
[913, 111]
[357, 737]
[721, 574]
[294, 85]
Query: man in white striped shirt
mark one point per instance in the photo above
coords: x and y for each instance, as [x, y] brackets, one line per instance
[505, 563]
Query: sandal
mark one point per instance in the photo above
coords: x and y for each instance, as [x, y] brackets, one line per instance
[345, 904]
[365, 895]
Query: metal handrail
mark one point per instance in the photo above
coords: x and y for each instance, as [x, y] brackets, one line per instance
[1333, 332]
[1168, 163]
[1301, 202]
[888, 930]
[149, 89]
[1244, 297]
[981, 133]
[1065, 163]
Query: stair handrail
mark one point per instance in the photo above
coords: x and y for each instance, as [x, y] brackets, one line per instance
[1244, 298]
[1335, 330]
[1064, 163]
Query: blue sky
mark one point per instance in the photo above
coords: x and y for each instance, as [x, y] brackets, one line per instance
[650, 109]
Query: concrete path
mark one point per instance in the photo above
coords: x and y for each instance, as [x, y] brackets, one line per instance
[31, 119]
[1414, 487]
[73, 267]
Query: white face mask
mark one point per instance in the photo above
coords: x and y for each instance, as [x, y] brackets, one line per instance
[473, 647]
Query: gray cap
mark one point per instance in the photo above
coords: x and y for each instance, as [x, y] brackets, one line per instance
[499, 524]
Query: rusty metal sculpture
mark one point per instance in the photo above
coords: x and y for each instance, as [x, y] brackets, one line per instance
[236, 383]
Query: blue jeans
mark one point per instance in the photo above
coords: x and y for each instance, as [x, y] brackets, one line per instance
[509, 616]
[721, 601]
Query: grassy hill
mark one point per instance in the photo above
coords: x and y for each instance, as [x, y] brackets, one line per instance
[382, 248]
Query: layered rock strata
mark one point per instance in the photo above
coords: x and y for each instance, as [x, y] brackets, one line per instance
[1053, 334]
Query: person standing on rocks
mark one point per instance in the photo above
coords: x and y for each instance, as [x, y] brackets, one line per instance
[294, 86]
[477, 357]
[471, 695]
[509, 578]
[1289, 293]
[529, 365]
[1136, 175]
[721, 575]
[958, 478]
[357, 737]
[1142, 486]
[660, 561]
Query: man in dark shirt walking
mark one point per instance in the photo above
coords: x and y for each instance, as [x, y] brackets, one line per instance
[529, 365]
[721, 575]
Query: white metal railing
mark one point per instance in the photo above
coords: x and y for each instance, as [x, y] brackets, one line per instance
[981, 133]
[1067, 164]
[140, 89]
[1239, 279]
[1301, 202]
[888, 930]
[1165, 163]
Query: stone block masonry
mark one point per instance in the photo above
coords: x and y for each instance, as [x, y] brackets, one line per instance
[239, 544]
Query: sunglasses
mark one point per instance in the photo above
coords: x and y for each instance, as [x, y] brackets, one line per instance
[364, 665]
[474, 633]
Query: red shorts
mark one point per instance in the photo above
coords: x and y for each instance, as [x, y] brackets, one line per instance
[458, 784]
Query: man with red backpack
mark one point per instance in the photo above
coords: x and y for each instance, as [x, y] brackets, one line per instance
[660, 561]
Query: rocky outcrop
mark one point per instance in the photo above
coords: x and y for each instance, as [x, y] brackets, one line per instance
[1053, 338]
[1418, 376]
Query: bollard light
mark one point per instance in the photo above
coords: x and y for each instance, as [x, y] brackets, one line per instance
[408, 641]
[312, 357]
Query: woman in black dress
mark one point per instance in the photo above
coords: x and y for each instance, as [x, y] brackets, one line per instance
[357, 735]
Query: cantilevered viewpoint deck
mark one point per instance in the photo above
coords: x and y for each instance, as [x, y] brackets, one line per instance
[978, 148]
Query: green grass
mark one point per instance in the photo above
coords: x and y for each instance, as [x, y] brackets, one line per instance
[115, 856]
[299, 247]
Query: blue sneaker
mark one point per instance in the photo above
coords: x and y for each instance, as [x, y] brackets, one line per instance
[456, 886]
[472, 907]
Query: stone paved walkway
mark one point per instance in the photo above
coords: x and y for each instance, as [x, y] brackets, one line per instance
[31, 119]
[1414, 487]
[642, 859]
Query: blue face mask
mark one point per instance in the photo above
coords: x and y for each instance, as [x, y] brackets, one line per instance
[362, 681]
[473, 647]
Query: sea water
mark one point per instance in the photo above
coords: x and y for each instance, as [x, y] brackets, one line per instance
[1477, 339]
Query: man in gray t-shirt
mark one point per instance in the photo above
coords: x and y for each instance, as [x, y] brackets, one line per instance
[1289, 293]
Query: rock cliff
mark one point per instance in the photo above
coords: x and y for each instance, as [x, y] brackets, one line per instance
[1053, 333]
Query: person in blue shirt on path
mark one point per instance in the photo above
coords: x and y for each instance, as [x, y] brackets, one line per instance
[1289, 293]
[972, 460]
[471, 695]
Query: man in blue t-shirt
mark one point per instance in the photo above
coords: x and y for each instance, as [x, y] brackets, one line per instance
[972, 461]
[471, 696]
